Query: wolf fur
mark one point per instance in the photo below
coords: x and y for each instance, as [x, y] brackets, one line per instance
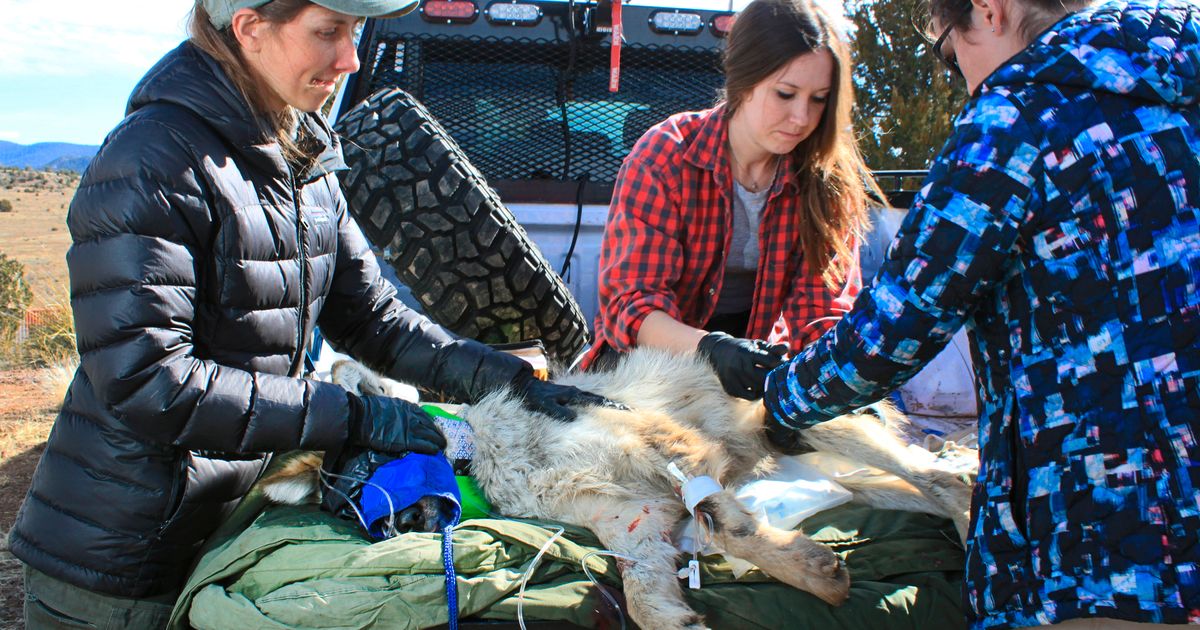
[608, 471]
[296, 482]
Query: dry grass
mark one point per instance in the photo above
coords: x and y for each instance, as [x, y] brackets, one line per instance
[51, 342]
[55, 379]
[35, 232]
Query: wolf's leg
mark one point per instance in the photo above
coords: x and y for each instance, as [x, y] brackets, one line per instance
[641, 530]
[864, 440]
[788, 556]
[893, 494]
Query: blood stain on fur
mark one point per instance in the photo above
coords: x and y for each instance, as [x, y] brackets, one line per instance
[637, 521]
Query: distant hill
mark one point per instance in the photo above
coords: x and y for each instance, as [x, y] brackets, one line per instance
[47, 155]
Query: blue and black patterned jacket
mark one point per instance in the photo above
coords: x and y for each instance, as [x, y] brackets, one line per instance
[1061, 225]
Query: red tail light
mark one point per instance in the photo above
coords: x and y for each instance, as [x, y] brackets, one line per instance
[722, 23]
[458, 11]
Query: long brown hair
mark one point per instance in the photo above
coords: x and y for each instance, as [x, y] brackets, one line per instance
[834, 182]
[222, 46]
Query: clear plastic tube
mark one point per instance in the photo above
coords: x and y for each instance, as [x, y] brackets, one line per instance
[390, 528]
[599, 587]
[529, 572]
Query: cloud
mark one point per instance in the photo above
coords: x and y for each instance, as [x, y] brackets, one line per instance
[84, 37]
[11, 136]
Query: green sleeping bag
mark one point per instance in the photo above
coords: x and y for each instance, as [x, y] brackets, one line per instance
[298, 567]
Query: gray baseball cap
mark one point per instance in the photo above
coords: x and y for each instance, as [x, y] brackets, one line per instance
[220, 12]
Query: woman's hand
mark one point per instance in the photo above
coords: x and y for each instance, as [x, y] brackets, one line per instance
[393, 426]
[556, 400]
[741, 364]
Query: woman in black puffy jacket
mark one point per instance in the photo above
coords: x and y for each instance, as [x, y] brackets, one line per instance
[209, 238]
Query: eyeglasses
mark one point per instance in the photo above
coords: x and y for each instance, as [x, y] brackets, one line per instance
[935, 46]
[950, 62]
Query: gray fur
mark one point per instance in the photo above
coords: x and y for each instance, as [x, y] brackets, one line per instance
[607, 471]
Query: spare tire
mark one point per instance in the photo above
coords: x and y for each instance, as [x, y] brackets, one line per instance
[447, 234]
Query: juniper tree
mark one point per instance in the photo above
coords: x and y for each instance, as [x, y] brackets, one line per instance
[906, 100]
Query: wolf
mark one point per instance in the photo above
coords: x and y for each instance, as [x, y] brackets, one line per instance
[618, 473]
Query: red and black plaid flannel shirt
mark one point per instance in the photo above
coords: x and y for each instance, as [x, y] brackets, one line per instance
[669, 228]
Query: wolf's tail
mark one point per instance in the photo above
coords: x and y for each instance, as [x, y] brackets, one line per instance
[296, 482]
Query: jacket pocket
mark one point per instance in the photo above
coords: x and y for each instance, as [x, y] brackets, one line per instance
[179, 483]
[208, 485]
[39, 614]
[1006, 487]
[1002, 527]
[1019, 493]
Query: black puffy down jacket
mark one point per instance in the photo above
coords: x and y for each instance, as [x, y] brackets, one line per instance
[200, 263]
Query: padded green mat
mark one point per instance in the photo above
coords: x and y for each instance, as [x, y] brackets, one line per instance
[298, 567]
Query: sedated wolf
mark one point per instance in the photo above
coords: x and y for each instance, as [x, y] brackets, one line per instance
[608, 471]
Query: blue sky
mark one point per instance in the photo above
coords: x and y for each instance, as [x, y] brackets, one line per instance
[69, 66]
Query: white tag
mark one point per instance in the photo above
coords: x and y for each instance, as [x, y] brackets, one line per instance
[698, 489]
[693, 571]
[676, 473]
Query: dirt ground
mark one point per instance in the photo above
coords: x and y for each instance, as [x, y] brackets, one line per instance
[28, 402]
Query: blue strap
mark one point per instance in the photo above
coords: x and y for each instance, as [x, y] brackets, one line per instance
[312, 352]
[451, 582]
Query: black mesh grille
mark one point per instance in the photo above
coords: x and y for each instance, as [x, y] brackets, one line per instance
[503, 100]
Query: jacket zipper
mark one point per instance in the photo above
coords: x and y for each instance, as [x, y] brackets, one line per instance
[178, 490]
[301, 229]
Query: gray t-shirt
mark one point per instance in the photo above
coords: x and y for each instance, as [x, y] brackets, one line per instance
[741, 262]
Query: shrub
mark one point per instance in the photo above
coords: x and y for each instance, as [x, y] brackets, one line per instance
[15, 296]
[6, 205]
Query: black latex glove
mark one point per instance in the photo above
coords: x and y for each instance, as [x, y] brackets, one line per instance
[394, 426]
[741, 364]
[556, 400]
[346, 472]
[787, 440]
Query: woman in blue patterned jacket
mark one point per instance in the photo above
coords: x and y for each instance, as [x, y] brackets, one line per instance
[1061, 224]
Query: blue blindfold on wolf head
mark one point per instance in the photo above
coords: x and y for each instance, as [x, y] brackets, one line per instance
[405, 481]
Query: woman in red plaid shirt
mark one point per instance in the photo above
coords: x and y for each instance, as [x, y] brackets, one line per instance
[733, 231]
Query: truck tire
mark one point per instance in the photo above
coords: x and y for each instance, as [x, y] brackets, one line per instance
[447, 234]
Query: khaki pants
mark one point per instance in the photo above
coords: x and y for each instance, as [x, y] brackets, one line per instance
[54, 604]
[1098, 623]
